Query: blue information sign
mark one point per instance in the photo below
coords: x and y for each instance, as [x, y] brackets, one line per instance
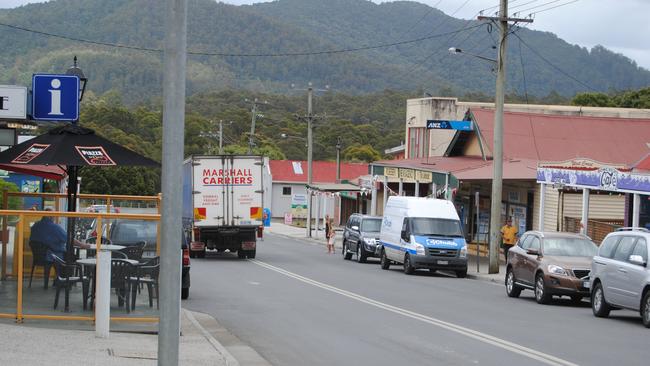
[449, 125]
[55, 97]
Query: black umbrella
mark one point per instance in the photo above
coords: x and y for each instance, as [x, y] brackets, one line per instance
[72, 146]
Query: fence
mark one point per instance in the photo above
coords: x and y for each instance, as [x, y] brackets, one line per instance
[596, 229]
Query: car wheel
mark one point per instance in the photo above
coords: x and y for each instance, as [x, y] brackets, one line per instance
[541, 294]
[347, 256]
[385, 263]
[185, 293]
[251, 253]
[512, 290]
[599, 305]
[360, 257]
[408, 267]
[645, 309]
[461, 273]
[241, 254]
[432, 270]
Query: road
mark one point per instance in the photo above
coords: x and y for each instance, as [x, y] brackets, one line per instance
[297, 305]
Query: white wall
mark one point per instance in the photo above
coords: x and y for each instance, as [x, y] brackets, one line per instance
[282, 204]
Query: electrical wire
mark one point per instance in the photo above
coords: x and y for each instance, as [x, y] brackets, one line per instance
[554, 66]
[286, 54]
[539, 6]
[553, 7]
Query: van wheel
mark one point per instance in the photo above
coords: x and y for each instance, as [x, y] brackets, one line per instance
[599, 305]
[360, 257]
[408, 267]
[385, 263]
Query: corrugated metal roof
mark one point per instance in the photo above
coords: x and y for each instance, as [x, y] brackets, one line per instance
[545, 137]
[323, 171]
[469, 167]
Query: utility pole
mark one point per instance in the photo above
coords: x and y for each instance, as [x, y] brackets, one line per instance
[220, 137]
[310, 119]
[251, 143]
[497, 160]
[175, 61]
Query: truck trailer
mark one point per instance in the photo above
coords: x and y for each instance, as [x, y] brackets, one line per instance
[223, 202]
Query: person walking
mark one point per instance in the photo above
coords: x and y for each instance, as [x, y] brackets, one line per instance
[327, 232]
[331, 237]
[508, 237]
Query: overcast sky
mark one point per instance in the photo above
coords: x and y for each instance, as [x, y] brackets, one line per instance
[620, 25]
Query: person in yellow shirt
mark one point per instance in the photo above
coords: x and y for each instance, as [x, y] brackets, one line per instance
[509, 237]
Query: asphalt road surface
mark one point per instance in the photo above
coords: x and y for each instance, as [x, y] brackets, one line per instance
[297, 305]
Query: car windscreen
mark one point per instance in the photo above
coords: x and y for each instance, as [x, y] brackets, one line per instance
[433, 226]
[569, 247]
[371, 225]
[134, 231]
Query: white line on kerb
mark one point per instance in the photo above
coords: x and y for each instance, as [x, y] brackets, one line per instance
[482, 337]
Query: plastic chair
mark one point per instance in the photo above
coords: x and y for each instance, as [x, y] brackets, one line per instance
[134, 251]
[147, 274]
[39, 258]
[121, 272]
[68, 274]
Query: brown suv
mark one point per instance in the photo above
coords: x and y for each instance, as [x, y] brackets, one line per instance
[550, 263]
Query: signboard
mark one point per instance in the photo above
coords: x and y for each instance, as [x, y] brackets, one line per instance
[391, 172]
[407, 174]
[606, 179]
[449, 125]
[55, 97]
[423, 177]
[30, 154]
[299, 206]
[288, 219]
[13, 102]
[95, 155]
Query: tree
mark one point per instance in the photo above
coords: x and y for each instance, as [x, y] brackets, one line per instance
[365, 153]
[592, 100]
[14, 202]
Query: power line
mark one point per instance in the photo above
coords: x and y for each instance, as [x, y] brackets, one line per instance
[287, 54]
[553, 65]
[553, 7]
[539, 6]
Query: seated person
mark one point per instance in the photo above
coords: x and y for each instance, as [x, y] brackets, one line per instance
[53, 237]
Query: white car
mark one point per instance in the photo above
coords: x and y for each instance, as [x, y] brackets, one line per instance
[619, 276]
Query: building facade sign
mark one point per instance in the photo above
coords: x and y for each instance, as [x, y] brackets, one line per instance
[407, 175]
[391, 172]
[13, 102]
[605, 178]
[423, 176]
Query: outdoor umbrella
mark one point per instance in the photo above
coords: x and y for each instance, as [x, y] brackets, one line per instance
[72, 146]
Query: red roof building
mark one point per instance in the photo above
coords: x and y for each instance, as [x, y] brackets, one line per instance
[288, 171]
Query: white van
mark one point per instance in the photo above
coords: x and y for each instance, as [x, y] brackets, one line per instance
[422, 233]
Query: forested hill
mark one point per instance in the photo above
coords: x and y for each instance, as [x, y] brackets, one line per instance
[294, 26]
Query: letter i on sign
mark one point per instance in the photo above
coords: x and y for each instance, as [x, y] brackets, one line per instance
[55, 97]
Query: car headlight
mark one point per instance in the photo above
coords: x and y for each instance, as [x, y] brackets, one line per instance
[556, 270]
[463, 251]
[419, 249]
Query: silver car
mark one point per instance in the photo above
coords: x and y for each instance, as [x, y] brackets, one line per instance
[619, 276]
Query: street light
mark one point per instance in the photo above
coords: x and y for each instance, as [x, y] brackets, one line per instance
[454, 50]
[76, 71]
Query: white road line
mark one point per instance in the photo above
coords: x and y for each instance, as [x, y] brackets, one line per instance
[482, 337]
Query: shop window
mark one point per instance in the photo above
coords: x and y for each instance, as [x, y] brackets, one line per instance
[286, 191]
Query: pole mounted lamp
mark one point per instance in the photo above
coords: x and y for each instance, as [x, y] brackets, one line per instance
[454, 50]
[76, 71]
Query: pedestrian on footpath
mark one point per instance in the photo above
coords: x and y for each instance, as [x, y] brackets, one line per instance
[508, 237]
[331, 235]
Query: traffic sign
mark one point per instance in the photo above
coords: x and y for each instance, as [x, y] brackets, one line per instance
[55, 97]
[13, 102]
[450, 125]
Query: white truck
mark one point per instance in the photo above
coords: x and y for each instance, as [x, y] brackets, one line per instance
[223, 202]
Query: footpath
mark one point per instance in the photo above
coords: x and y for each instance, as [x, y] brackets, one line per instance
[38, 343]
[318, 238]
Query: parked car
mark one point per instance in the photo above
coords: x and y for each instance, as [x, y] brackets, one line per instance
[551, 264]
[361, 236]
[620, 277]
[102, 208]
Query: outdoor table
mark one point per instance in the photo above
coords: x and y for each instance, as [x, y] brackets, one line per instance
[103, 287]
